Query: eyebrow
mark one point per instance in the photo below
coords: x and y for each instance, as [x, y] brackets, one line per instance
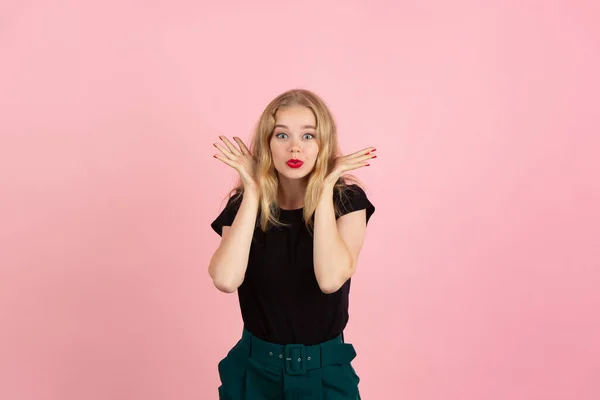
[303, 126]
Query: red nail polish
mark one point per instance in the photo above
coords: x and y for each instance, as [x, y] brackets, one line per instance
[374, 156]
[368, 165]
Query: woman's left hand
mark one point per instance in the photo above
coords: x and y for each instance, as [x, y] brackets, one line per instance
[347, 163]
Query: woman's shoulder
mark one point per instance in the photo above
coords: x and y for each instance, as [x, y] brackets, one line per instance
[350, 191]
[353, 198]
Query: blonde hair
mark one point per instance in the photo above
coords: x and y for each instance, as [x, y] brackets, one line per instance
[266, 175]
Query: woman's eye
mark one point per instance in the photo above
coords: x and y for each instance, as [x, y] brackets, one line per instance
[278, 135]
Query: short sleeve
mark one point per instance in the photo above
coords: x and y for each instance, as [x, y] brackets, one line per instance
[227, 215]
[355, 199]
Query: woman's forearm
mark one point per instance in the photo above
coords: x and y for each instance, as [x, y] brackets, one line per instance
[332, 260]
[229, 262]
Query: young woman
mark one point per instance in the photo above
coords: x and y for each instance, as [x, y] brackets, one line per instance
[290, 239]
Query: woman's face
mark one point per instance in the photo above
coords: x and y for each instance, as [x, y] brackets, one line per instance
[294, 138]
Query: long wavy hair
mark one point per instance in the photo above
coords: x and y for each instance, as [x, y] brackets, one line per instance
[267, 176]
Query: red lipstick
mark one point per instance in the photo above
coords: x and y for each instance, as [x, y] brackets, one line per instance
[292, 163]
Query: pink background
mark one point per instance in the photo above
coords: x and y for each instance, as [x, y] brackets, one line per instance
[480, 274]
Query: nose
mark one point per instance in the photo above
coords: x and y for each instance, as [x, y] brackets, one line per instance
[295, 145]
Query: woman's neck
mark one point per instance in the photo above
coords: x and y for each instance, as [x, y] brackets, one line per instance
[291, 194]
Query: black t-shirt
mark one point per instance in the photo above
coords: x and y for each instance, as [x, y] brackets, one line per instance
[280, 299]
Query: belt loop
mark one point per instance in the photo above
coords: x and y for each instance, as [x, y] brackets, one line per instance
[246, 341]
[249, 340]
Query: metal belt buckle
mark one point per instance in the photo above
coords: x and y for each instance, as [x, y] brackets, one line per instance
[295, 359]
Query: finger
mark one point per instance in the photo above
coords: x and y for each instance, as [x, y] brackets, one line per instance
[223, 149]
[364, 151]
[230, 146]
[369, 156]
[225, 160]
[359, 158]
[243, 147]
[357, 162]
[350, 167]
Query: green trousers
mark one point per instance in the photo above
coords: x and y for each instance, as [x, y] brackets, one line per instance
[257, 370]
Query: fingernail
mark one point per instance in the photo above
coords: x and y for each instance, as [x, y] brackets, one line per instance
[215, 156]
[374, 156]
[373, 149]
[368, 165]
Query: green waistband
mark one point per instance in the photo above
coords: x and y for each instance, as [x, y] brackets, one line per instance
[296, 359]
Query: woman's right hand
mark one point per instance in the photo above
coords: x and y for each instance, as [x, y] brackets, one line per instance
[240, 159]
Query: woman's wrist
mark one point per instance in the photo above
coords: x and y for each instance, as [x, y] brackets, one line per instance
[251, 191]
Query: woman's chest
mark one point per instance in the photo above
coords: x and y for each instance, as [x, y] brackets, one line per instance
[281, 256]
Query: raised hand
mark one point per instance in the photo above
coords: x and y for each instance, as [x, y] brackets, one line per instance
[240, 159]
[349, 162]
